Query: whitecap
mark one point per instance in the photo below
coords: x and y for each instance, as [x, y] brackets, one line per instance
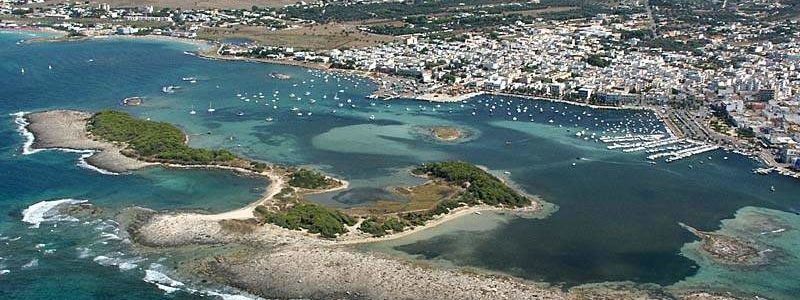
[46, 211]
[109, 236]
[124, 264]
[31, 264]
[83, 252]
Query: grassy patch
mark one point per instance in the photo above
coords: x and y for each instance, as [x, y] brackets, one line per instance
[481, 186]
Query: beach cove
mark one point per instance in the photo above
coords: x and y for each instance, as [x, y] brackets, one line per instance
[543, 156]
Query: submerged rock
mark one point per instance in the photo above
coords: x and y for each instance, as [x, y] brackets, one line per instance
[728, 250]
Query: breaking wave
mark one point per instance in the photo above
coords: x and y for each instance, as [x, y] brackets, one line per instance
[168, 285]
[47, 211]
[22, 128]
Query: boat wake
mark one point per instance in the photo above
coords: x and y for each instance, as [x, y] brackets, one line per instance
[47, 211]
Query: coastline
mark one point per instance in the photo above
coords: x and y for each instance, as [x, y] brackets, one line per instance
[64, 130]
[296, 252]
[437, 221]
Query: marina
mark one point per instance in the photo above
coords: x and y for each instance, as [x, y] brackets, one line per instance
[538, 145]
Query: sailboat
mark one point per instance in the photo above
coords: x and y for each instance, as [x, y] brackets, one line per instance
[22, 70]
[192, 112]
[210, 109]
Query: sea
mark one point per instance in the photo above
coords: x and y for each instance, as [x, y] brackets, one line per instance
[612, 216]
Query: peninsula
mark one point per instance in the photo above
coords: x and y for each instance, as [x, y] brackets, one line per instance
[297, 231]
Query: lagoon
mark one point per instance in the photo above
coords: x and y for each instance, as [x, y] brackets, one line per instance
[617, 216]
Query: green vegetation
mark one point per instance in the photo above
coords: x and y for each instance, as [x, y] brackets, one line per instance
[482, 186]
[639, 34]
[312, 217]
[747, 133]
[152, 140]
[308, 179]
[380, 227]
[667, 44]
[598, 61]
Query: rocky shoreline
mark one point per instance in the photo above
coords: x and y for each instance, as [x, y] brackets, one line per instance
[66, 129]
[274, 262]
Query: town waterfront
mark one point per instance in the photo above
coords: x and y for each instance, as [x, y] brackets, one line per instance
[617, 216]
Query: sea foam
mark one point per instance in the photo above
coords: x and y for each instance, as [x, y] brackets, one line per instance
[162, 281]
[169, 285]
[124, 264]
[31, 264]
[22, 128]
[47, 211]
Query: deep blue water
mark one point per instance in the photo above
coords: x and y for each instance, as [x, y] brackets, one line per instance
[617, 217]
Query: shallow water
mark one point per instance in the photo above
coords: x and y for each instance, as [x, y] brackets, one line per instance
[617, 219]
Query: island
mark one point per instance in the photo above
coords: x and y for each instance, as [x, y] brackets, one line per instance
[726, 249]
[295, 239]
[446, 133]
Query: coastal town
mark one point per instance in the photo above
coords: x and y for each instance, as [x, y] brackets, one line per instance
[732, 83]
[401, 149]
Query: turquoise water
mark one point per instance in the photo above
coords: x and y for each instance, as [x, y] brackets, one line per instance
[617, 218]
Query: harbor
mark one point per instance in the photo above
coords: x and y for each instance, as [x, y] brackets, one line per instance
[658, 146]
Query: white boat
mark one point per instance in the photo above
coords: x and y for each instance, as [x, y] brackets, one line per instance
[269, 119]
[211, 109]
[241, 113]
[22, 70]
[372, 117]
[192, 112]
